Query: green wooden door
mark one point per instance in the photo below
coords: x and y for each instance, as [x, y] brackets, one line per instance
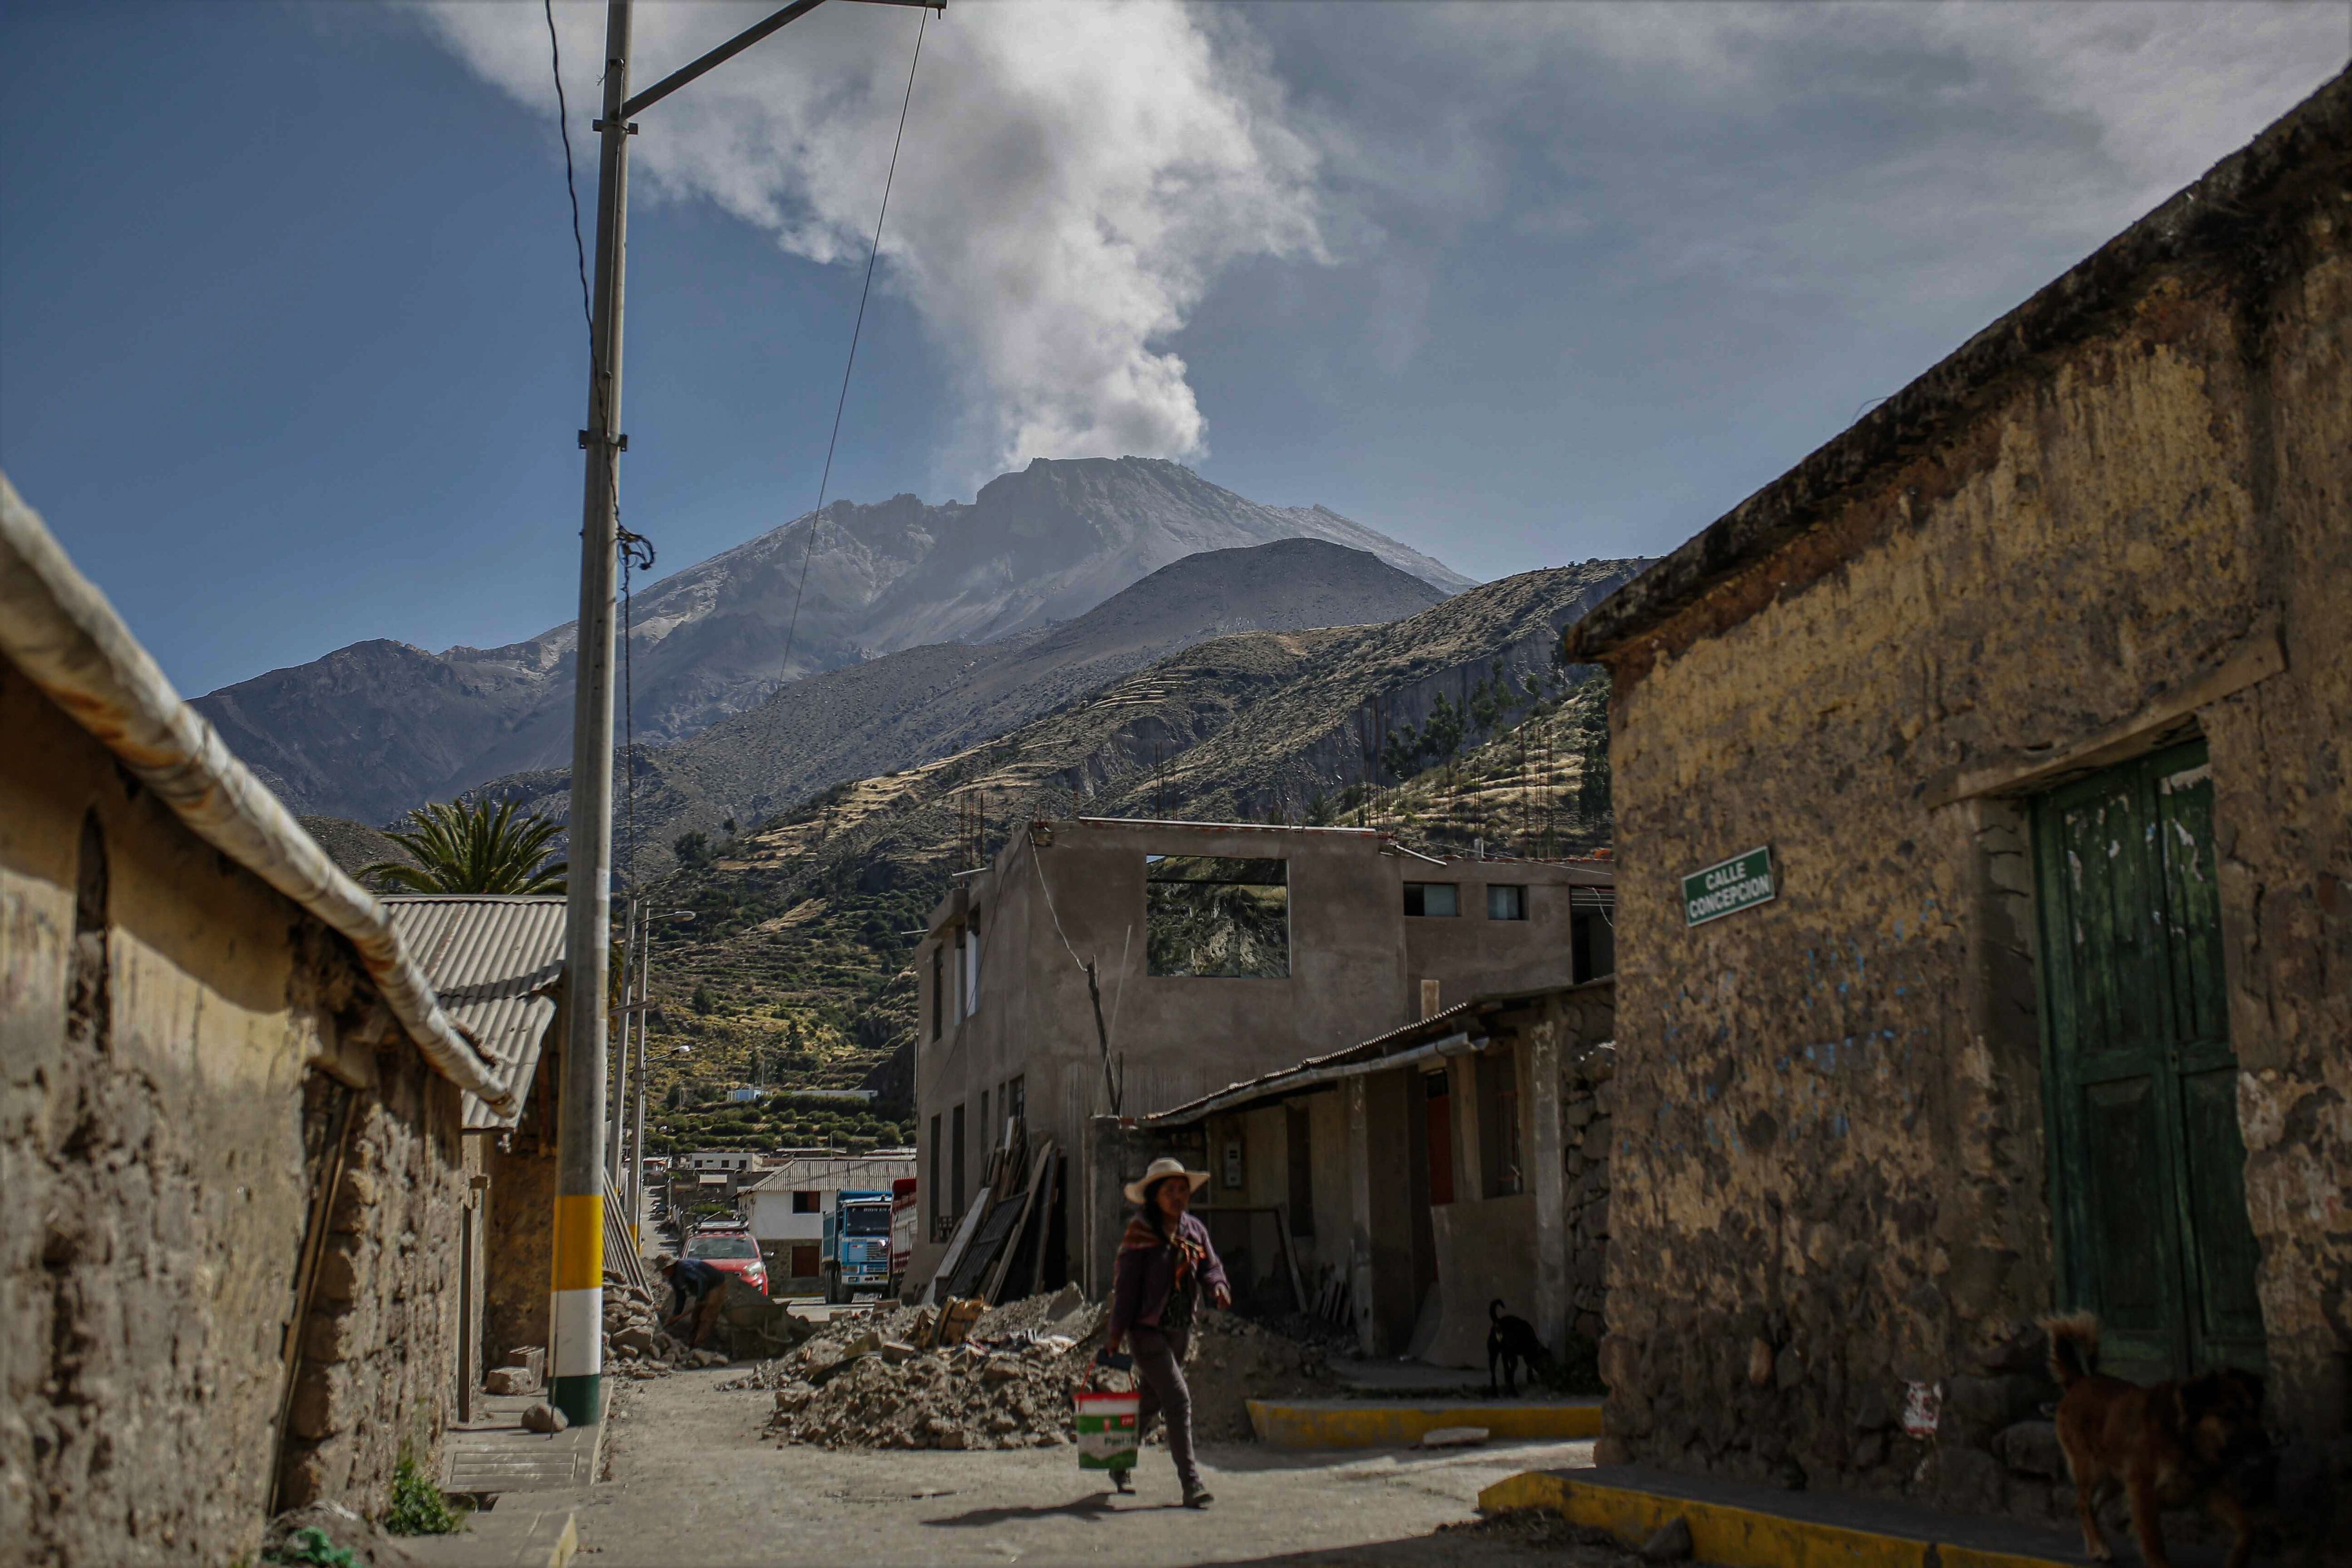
[2148, 1171]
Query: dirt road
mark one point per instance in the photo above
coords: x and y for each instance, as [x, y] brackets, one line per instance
[695, 1482]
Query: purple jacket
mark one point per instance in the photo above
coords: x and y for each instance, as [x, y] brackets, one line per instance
[1144, 1275]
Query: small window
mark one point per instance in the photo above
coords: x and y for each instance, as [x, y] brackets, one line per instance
[808, 1203]
[1436, 900]
[1506, 903]
[939, 985]
[1206, 915]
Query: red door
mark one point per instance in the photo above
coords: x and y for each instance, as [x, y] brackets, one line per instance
[1441, 1139]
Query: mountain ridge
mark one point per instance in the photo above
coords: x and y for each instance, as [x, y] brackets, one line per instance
[911, 708]
[371, 729]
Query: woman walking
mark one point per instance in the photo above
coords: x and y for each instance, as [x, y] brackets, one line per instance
[1165, 1261]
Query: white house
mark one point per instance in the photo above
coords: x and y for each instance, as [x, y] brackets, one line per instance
[786, 1208]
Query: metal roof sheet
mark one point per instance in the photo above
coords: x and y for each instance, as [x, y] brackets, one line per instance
[496, 962]
[797, 1173]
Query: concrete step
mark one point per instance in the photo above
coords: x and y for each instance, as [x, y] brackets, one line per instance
[517, 1534]
[1394, 1423]
[1745, 1526]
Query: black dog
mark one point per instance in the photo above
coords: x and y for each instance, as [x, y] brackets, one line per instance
[1511, 1342]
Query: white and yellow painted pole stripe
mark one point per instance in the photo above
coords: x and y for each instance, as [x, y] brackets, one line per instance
[576, 1306]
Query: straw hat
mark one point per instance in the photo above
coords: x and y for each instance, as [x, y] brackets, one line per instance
[664, 1262]
[1158, 1170]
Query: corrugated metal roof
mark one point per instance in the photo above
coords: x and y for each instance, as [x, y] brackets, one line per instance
[496, 962]
[799, 1172]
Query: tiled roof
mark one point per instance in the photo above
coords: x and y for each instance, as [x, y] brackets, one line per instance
[496, 962]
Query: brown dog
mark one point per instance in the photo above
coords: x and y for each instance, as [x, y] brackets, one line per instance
[2166, 1445]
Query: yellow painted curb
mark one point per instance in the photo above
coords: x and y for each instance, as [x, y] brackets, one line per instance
[1738, 1537]
[1366, 1425]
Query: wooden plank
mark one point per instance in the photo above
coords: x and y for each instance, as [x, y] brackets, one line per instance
[1031, 1211]
[957, 1245]
[1001, 1218]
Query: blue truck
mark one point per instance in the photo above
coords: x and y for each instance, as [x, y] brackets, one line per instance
[856, 1248]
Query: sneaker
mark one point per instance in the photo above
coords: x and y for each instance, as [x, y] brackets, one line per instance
[1197, 1496]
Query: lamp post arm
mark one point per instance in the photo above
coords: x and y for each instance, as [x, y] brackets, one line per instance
[738, 43]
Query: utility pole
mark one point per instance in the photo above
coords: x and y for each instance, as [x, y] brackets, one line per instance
[577, 1318]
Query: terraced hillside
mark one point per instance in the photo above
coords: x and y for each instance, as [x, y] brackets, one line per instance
[797, 958]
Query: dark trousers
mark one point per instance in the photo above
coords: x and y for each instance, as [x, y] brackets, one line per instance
[1160, 1358]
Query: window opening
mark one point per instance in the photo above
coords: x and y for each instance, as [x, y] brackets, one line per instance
[1432, 900]
[1506, 902]
[1210, 916]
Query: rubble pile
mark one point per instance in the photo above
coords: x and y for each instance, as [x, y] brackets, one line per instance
[635, 1343]
[879, 1381]
[1234, 1360]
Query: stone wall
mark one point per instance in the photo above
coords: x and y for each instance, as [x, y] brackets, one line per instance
[162, 1013]
[2118, 515]
[377, 1378]
[520, 1228]
[1585, 1122]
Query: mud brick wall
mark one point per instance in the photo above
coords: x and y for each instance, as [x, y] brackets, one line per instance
[1829, 1176]
[377, 1377]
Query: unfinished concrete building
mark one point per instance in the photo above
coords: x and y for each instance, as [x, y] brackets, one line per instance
[231, 1129]
[1985, 820]
[1220, 952]
[1400, 1184]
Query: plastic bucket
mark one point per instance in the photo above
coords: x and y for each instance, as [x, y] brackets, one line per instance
[1106, 1430]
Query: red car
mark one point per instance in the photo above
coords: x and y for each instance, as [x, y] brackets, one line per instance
[733, 1251]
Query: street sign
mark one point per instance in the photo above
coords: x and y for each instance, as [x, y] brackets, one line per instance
[1729, 885]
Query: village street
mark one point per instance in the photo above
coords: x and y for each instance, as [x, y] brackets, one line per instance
[689, 1462]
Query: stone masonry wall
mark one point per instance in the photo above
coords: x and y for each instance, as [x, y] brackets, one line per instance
[518, 1245]
[162, 1013]
[1585, 1123]
[1830, 1179]
[377, 1377]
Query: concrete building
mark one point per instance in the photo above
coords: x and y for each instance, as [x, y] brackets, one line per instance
[1403, 1184]
[1985, 819]
[785, 1207]
[1220, 952]
[231, 1124]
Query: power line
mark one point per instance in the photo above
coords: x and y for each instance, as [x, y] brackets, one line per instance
[817, 518]
[563, 128]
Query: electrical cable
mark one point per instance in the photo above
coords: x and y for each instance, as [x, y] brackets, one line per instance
[817, 518]
[570, 185]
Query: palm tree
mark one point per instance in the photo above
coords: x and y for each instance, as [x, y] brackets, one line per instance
[486, 849]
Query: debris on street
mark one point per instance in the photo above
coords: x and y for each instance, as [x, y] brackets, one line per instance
[883, 1380]
[638, 1346]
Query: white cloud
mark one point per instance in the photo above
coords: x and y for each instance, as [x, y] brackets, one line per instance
[1905, 152]
[1075, 175]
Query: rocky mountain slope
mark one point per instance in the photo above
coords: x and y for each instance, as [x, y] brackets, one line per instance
[1453, 724]
[372, 729]
[907, 709]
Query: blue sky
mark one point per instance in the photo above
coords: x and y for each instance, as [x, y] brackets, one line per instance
[292, 352]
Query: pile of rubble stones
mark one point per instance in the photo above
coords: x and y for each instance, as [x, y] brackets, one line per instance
[871, 1382]
[635, 1343]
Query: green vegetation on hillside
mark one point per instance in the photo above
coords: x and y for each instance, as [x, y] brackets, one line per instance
[795, 974]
